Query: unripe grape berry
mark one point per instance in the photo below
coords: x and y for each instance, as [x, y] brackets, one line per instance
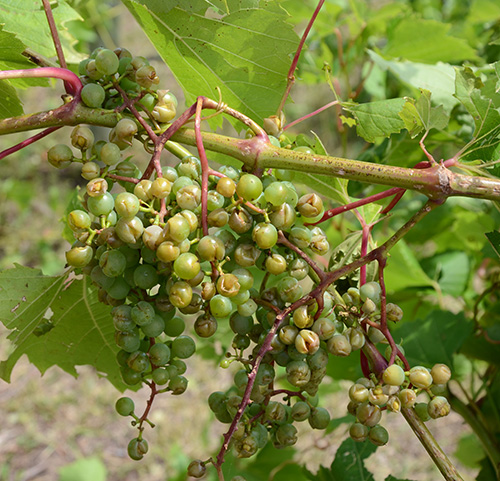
[275, 264]
[438, 407]
[159, 354]
[368, 414]
[137, 448]
[339, 345]
[226, 186]
[319, 418]
[90, 170]
[178, 385]
[82, 138]
[145, 276]
[377, 397]
[420, 377]
[249, 187]
[359, 432]
[265, 235]
[183, 347]
[370, 290]
[228, 285]
[167, 252]
[129, 230]
[300, 411]
[142, 190]
[180, 294]
[187, 266]
[421, 410]
[60, 156]
[307, 342]
[286, 435]
[205, 326]
[196, 469]
[408, 398]
[126, 205]
[310, 205]
[378, 435]
[394, 375]
[161, 188]
[440, 373]
[79, 256]
[324, 328]
[394, 312]
[358, 393]
[106, 61]
[93, 95]
[110, 153]
[78, 219]
[124, 406]
[101, 204]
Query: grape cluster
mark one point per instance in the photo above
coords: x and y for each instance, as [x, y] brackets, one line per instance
[142, 242]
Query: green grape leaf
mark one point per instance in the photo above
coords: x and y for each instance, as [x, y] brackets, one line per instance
[246, 53]
[378, 119]
[469, 451]
[426, 41]
[348, 463]
[451, 269]
[10, 106]
[85, 469]
[434, 339]
[494, 238]
[438, 78]
[484, 110]
[420, 116]
[11, 58]
[480, 348]
[27, 20]
[56, 322]
[401, 261]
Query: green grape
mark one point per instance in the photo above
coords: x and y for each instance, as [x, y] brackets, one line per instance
[91, 70]
[420, 377]
[177, 228]
[205, 326]
[275, 264]
[226, 187]
[146, 76]
[241, 298]
[220, 306]
[101, 279]
[126, 205]
[298, 373]
[187, 266]
[440, 373]
[128, 340]
[178, 385]
[324, 328]
[378, 435]
[217, 401]
[240, 220]
[90, 171]
[299, 269]
[97, 187]
[154, 328]
[113, 263]
[160, 376]
[138, 361]
[300, 411]
[142, 189]
[368, 414]
[359, 432]
[289, 289]
[265, 235]
[129, 376]
[310, 205]
[79, 256]
[319, 418]
[245, 278]
[78, 219]
[60, 156]
[145, 276]
[152, 237]
[107, 62]
[287, 334]
[438, 407]
[179, 365]
[143, 313]
[196, 469]
[123, 133]
[190, 167]
[286, 435]
[283, 217]
[137, 448]
[101, 204]
[228, 285]
[122, 319]
[240, 324]
[125, 406]
[300, 236]
[276, 193]
[180, 294]
[93, 95]
[211, 248]
[174, 327]
[129, 230]
[394, 375]
[248, 308]
[119, 289]
[183, 347]
[339, 345]
[218, 218]
[370, 290]
[249, 187]
[159, 354]
[246, 255]
[82, 138]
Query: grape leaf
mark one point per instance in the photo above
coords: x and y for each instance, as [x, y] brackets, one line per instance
[438, 78]
[74, 328]
[435, 339]
[244, 53]
[402, 260]
[378, 119]
[451, 269]
[10, 106]
[415, 39]
[11, 58]
[348, 463]
[420, 116]
[494, 238]
[26, 19]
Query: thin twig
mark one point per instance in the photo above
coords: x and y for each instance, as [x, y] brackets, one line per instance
[54, 33]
